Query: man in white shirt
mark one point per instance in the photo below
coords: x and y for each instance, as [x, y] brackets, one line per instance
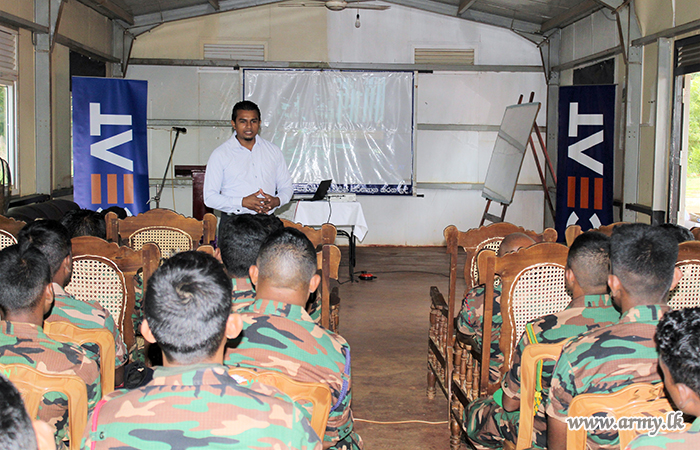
[246, 174]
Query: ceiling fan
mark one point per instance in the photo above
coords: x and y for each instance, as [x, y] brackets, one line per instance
[335, 5]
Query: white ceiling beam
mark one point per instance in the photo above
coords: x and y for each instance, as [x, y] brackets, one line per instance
[189, 12]
[578, 12]
[111, 9]
[464, 5]
[214, 4]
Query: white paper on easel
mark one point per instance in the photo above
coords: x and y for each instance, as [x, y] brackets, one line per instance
[508, 152]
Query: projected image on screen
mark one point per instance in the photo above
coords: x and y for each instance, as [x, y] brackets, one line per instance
[352, 127]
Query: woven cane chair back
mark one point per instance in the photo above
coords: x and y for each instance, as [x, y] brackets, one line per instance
[170, 231]
[34, 385]
[638, 399]
[687, 293]
[6, 239]
[9, 229]
[324, 235]
[67, 332]
[319, 395]
[105, 272]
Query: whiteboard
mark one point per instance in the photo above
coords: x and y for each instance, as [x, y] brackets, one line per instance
[508, 152]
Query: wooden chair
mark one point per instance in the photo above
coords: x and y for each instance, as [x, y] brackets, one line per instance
[687, 293]
[33, 385]
[170, 231]
[328, 260]
[105, 272]
[319, 395]
[533, 354]
[532, 286]
[324, 235]
[67, 332]
[573, 231]
[9, 229]
[442, 313]
[634, 400]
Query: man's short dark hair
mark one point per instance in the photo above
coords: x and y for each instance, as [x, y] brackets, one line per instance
[589, 259]
[187, 303]
[24, 274]
[643, 258]
[681, 233]
[51, 238]
[84, 222]
[245, 105]
[240, 238]
[16, 431]
[678, 341]
[287, 259]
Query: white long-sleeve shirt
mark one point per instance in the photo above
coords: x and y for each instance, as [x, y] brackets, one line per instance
[234, 172]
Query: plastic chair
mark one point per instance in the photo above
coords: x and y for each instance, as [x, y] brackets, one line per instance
[33, 385]
[170, 231]
[67, 332]
[318, 394]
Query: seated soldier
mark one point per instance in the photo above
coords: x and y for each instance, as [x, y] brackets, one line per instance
[25, 297]
[192, 402]
[490, 420]
[53, 240]
[17, 430]
[470, 321]
[605, 360]
[681, 233]
[239, 241]
[279, 335]
[678, 340]
[84, 222]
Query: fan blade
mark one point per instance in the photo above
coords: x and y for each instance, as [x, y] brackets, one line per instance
[301, 5]
[375, 7]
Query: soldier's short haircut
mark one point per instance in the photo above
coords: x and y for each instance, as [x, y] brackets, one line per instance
[643, 258]
[589, 259]
[245, 105]
[240, 238]
[678, 340]
[287, 260]
[187, 303]
[24, 274]
[84, 222]
[16, 432]
[51, 238]
[681, 233]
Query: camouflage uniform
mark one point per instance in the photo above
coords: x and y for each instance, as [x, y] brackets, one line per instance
[488, 424]
[471, 323]
[198, 406]
[282, 337]
[604, 361]
[243, 293]
[683, 440]
[27, 344]
[88, 315]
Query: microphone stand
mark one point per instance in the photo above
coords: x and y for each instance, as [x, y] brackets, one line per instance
[156, 198]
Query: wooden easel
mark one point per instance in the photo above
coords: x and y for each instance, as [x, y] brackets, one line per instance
[531, 144]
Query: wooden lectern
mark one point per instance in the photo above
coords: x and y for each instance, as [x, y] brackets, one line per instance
[197, 174]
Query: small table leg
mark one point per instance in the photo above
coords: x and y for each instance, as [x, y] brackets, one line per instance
[352, 254]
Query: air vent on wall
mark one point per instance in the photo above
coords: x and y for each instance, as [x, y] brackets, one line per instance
[237, 52]
[8, 54]
[444, 56]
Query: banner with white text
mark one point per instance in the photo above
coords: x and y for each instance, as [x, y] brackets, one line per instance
[586, 155]
[110, 154]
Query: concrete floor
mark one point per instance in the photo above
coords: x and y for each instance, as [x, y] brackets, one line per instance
[386, 323]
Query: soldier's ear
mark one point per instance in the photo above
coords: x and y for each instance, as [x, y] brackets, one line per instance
[313, 284]
[146, 332]
[688, 400]
[47, 298]
[234, 326]
[217, 254]
[254, 272]
[677, 275]
[569, 276]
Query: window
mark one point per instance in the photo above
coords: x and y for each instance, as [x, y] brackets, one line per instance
[8, 79]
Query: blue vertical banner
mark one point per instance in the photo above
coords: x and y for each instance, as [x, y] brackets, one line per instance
[585, 156]
[110, 155]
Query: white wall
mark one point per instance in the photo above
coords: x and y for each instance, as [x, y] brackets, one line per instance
[443, 98]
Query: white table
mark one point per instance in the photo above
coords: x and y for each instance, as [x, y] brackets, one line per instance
[340, 214]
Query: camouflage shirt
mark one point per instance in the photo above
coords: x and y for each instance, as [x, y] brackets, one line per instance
[684, 440]
[24, 343]
[282, 337]
[471, 323]
[243, 293]
[198, 406]
[582, 315]
[604, 361]
[88, 315]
